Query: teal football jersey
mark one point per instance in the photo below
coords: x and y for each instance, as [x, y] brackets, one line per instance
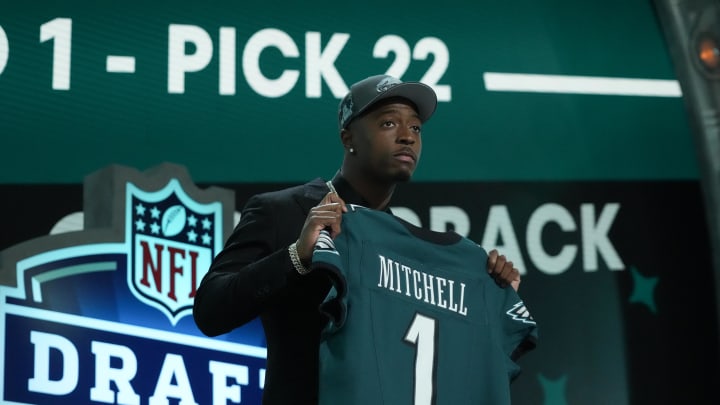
[414, 317]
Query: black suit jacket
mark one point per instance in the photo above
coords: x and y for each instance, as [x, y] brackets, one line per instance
[253, 276]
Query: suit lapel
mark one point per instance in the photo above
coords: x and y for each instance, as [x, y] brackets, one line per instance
[312, 193]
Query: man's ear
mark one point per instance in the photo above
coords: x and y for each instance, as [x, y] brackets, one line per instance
[346, 138]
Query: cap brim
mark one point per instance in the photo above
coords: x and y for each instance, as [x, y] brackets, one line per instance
[422, 95]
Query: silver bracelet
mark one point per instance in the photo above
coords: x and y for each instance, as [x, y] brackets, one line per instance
[295, 258]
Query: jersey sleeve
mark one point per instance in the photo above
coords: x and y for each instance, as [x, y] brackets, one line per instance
[327, 260]
[519, 330]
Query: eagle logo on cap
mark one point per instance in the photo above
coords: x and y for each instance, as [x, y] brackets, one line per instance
[387, 83]
[347, 109]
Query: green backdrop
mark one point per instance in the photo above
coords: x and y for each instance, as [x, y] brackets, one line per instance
[55, 135]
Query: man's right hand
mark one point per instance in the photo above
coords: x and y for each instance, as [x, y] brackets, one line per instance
[327, 214]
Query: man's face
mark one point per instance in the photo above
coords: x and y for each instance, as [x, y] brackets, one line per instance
[387, 140]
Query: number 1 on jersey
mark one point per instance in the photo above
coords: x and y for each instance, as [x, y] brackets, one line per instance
[422, 333]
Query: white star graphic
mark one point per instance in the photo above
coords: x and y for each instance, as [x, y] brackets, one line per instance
[155, 213]
[140, 209]
[206, 223]
[155, 228]
[192, 221]
[206, 239]
[192, 236]
[140, 225]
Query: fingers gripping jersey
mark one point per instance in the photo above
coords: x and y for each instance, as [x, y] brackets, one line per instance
[414, 317]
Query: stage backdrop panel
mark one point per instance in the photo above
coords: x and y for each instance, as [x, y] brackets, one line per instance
[237, 91]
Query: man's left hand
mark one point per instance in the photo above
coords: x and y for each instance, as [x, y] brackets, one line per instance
[503, 270]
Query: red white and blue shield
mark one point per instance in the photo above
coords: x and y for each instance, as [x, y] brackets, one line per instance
[173, 241]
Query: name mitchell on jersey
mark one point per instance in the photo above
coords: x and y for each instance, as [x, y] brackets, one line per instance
[422, 286]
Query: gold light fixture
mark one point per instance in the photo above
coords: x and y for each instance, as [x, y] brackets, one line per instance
[708, 53]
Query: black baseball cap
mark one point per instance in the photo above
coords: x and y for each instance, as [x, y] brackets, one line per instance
[369, 91]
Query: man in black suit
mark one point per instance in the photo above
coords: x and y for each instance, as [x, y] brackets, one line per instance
[262, 271]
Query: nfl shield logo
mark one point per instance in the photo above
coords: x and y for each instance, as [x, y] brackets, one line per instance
[173, 240]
